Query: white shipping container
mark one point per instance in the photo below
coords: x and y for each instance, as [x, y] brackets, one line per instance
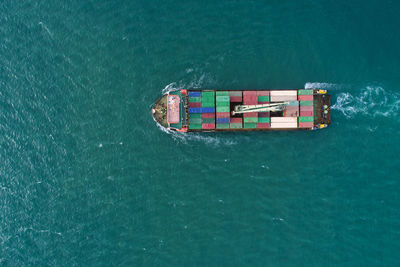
[283, 92]
[278, 98]
[283, 125]
[284, 119]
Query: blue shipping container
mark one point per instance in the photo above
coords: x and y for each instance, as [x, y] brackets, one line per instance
[194, 94]
[223, 120]
[207, 110]
[195, 110]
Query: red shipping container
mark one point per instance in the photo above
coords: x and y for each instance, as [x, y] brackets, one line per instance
[236, 120]
[306, 108]
[263, 125]
[263, 102]
[207, 115]
[235, 99]
[208, 126]
[195, 105]
[306, 124]
[250, 115]
[306, 113]
[252, 100]
[223, 114]
[263, 93]
[248, 93]
[305, 97]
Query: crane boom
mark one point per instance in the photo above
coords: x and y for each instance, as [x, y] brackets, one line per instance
[278, 106]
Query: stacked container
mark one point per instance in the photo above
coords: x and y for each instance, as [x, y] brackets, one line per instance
[283, 122]
[208, 117]
[283, 95]
[263, 117]
[201, 110]
[223, 108]
[306, 99]
[235, 96]
[250, 119]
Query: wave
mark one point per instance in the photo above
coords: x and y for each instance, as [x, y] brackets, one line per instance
[372, 101]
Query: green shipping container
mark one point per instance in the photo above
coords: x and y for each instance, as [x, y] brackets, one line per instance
[249, 125]
[306, 119]
[306, 103]
[250, 119]
[264, 120]
[263, 98]
[195, 120]
[194, 115]
[222, 104]
[194, 99]
[236, 125]
[222, 93]
[222, 98]
[208, 120]
[207, 104]
[195, 126]
[305, 92]
[222, 109]
[222, 125]
[207, 94]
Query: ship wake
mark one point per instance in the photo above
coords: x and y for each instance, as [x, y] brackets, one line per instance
[370, 101]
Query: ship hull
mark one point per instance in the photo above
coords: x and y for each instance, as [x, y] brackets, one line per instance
[213, 110]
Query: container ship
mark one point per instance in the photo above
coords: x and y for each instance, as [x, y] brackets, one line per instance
[245, 110]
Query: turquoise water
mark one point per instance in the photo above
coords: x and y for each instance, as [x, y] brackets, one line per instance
[87, 178]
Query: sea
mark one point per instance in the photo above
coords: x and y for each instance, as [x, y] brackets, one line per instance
[87, 178]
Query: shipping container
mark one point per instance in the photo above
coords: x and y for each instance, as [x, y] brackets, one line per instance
[194, 120]
[222, 104]
[263, 114]
[194, 99]
[208, 115]
[250, 114]
[283, 119]
[222, 125]
[236, 120]
[222, 109]
[306, 124]
[280, 98]
[250, 119]
[208, 120]
[195, 126]
[263, 98]
[235, 125]
[222, 120]
[305, 97]
[283, 93]
[306, 113]
[235, 99]
[195, 115]
[235, 93]
[305, 92]
[194, 94]
[223, 114]
[195, 105]
[249, 125]
[306, 119]
[263, 93]
[222, 93]
[263, 125]
[284, 125]
[306, 103]
[222, 98]
[264, 120]
[306, 108]
[208, 126]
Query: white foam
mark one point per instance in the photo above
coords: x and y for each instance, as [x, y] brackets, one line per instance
[326, 86]
[370, 101]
